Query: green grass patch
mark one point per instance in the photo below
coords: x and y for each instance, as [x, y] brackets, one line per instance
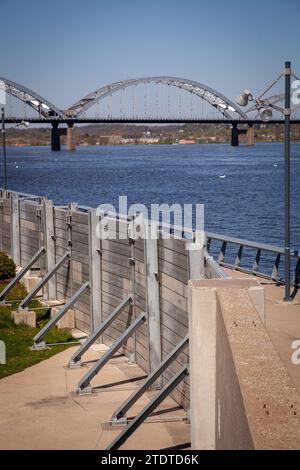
[18, 338]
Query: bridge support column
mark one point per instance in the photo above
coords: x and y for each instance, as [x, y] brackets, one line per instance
[71, 140]
[55, 137]
[277, 132]
[234, 136]
[250, 136]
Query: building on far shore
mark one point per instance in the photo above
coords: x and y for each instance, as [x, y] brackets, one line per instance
[187, 141]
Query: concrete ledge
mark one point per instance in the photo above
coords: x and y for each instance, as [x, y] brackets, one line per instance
[25, 317]
[29, 281]
[67, 321]
[250, 400]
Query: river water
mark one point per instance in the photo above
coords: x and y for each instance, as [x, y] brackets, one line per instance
[247, 203]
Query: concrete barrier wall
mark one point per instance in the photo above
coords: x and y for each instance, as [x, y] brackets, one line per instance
[241, 394]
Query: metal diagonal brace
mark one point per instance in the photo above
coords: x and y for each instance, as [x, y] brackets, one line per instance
[140, 418]
[37, 340]
[84, 384]
[43, 281]
[150, 379]
[75, 360]
[22, 272]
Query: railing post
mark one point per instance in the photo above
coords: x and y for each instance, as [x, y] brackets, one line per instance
[153, 304]
[222, 253]
[255, 266]
[15, 228]
[238, 259]
[196, 256]
[95, 263]
[1, 221]
[49, 237]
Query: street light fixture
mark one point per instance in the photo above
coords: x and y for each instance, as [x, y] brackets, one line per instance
[265, 108]
[3, 132]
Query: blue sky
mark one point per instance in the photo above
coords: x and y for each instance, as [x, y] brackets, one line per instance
[64, 49]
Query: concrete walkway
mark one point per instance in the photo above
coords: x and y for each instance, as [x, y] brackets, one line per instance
[282, 322]
[39, 408]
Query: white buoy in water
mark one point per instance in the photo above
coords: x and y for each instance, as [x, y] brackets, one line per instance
[222, 176]
[276, 165]
[17, 166]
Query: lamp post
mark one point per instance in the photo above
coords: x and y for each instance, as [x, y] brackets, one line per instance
[3, 132]
[264, 106]
[287, 180]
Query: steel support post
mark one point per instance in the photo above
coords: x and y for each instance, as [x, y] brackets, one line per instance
[95, 267]
[153, 304]
[84, 384]
[37, 340]
[140, 418]
[21, 273]
[15, 228]
[287, 171]
[3, 132]
[43, 281]
[49, 237]
[120, 413]
[75, 360]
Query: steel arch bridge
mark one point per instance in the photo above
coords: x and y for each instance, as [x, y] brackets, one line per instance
[46, 109]
[31, 98]
[211, 96]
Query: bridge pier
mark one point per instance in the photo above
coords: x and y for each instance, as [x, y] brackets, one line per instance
[71, 140]
[277, 132]
[235, 133]
[56, 133]
[55, 137]
[250, 136]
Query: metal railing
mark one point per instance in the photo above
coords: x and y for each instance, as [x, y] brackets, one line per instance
[258, 249]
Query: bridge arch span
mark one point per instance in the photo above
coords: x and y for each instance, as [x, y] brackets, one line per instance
[32, 99]
[213, 97]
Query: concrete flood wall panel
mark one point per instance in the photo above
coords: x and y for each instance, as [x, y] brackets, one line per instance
[31, 231]
[173, 276]
[122, 274]
[117, 283]
[6, 226]
[71, 233]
